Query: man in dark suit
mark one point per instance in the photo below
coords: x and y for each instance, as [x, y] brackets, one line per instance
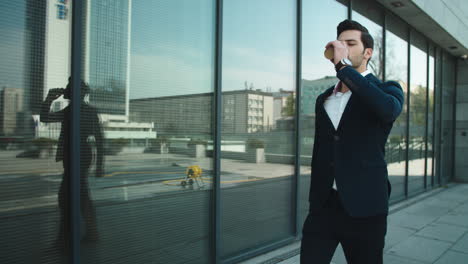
[349, 189]
[90, 130]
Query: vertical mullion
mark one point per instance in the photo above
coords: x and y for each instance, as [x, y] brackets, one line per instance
[441, 55]
[297, 169]
[408, 92]
[434, 83]
[74, 134]
[454, 118]
[384, 47]
[426, 129]
[350, 9]
[216, 195]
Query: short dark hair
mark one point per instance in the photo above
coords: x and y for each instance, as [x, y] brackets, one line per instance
[348, 24]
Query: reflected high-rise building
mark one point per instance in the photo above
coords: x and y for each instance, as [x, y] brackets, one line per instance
[106, 51]
[48, 46]
[107, 63]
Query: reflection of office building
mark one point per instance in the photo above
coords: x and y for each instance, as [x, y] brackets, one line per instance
[280, 100]
[108, 54]
[311, 89]
[11, 105]
[244, 111]
[48, 45]
[120, 127]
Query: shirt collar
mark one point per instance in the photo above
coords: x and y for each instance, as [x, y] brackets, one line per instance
[338, 84]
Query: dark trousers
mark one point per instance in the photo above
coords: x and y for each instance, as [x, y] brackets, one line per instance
[88, 211]
[362, 239]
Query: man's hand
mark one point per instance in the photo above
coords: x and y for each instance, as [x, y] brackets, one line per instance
[340, 50]
[55, 93]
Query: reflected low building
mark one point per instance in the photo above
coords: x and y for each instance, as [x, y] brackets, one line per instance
[244, 111]
[311, 89]
[11, 105]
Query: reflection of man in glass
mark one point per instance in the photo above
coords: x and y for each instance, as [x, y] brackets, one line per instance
[349, 183]
[89, 128]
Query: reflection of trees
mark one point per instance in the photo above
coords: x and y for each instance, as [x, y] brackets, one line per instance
[394, 72]
[418, 106]
[288, 110]
[377, 60]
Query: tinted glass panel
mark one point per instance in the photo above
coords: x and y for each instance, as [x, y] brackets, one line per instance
[397, 70]
[258, 91]
[146, 159]
[35, 60]
[418, 104]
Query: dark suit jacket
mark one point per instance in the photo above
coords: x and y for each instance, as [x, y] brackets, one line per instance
[89, 126]
[354, 153]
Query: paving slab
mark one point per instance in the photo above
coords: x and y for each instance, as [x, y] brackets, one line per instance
[420, 248]
[392, 259]
[413, 221]
[423, 209]
[462, 208]
[462, 244]
[396, 234]
[452, 257]
[339, 256]
[443, 232]
[455, 218]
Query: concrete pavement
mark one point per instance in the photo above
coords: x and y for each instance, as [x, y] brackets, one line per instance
[430, 228]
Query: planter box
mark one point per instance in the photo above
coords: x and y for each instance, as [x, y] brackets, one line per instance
[198, 151]
[256, 155]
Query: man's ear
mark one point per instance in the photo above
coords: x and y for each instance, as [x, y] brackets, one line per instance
[368, 53]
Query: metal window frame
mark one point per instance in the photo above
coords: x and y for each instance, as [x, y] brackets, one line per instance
[216, 192]
[298, 126]
[74, 136]
[426, 130]
[408, 92]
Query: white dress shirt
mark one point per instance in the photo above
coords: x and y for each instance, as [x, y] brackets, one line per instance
[335, 105]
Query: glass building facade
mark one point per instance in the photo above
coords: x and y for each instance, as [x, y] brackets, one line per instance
[192, 140]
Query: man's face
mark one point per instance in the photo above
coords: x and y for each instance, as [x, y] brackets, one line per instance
[356, 52]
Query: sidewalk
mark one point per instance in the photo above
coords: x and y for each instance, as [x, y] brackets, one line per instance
[430, 228]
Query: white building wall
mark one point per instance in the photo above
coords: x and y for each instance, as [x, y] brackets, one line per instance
[57, 47]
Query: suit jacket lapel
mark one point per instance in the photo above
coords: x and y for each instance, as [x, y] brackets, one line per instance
[370, 77]
[321, 106]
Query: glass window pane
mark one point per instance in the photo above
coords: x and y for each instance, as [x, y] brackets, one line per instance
[430, 124]
[447, 133]
[150, 68]
[371, 16]
[417, 114]
[318, 74]
[257, 163]
[34, 52]
[396, 69]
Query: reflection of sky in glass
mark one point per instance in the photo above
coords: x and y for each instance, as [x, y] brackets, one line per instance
[318, 28]
[431, 73]
[12, 30]
[259, 44]
[418, 67]
[397, 58]
[172, 47]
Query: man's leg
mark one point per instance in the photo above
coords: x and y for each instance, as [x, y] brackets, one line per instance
[87, 208]
[318, 238]
[364, 239]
